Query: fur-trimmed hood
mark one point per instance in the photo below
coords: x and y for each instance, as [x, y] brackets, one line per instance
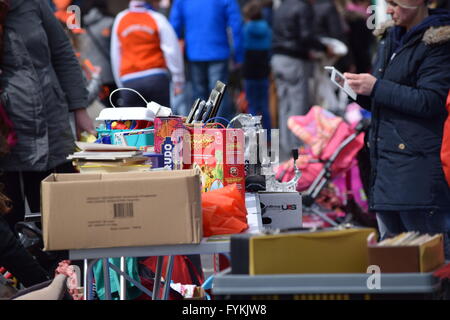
[436, 35]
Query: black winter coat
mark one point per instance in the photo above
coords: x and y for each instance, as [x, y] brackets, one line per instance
[293, 29]
[408, 113]
[327, 20]
[41, 81]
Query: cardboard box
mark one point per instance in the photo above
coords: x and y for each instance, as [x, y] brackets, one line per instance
[164, 128]
[219, 153]
[81, 211]
[281, 210]
[424, 258]
[335, 251]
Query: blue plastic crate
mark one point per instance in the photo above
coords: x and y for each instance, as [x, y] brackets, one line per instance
[138, 139]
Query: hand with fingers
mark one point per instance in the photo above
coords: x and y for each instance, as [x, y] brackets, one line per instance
[83, 123]
[362, 83]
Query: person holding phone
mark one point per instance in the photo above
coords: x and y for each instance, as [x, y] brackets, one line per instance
[406, 94]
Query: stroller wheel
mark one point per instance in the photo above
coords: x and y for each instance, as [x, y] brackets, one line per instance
[308, 201]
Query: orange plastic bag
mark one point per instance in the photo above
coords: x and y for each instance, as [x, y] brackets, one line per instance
[445, 151]
[224, 211]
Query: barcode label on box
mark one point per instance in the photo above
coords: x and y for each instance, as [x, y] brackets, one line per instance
[123, 210]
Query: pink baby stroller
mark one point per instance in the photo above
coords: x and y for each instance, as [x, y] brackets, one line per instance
[330, 182]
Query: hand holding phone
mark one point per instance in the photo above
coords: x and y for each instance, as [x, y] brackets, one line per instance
[338, 79]
[361, 83]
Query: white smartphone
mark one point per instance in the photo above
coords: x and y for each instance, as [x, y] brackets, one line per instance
[338, 79]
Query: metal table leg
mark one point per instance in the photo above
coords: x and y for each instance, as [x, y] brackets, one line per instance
[107, 279]
[168, 277]
[158, 273]
[89, 276]
[85, 268]
[123, 282]
[128, 278]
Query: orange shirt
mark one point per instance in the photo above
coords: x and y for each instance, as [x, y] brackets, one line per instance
[144, 43]
[140, 43]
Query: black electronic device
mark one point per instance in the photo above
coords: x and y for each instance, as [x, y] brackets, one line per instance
[207, 113]
[221, 89]
[199, 112]
[212, 102]
[194, 109]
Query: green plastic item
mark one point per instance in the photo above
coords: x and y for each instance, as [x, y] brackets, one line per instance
[132, 292]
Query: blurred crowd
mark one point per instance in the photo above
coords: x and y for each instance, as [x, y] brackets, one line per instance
[222, 40]
[270, 53]
[233, 40]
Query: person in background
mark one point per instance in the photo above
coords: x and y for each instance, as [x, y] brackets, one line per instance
[145, 55]
[42, 87]
[406, 94]
[267, 11]
[203, 25]
[328, 21]
[95, 43]
[77, 37]
[256, 69]
[294, 44]
[361, 39]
